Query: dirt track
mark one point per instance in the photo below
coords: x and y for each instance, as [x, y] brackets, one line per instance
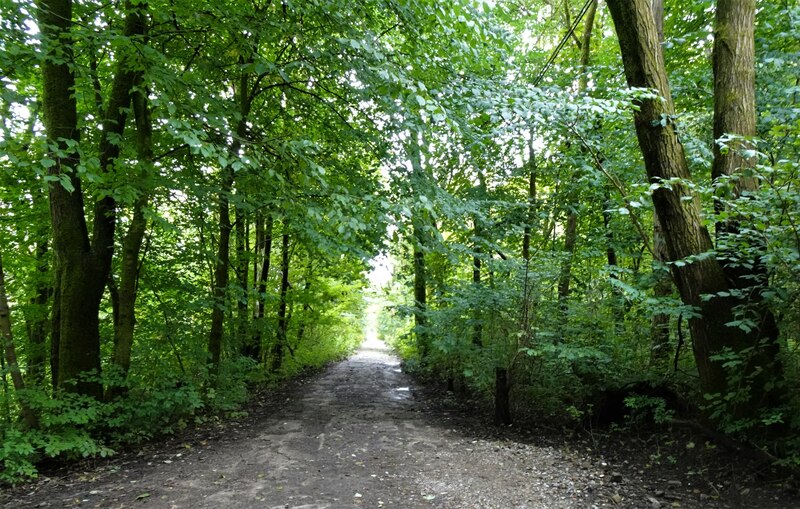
[358, 436]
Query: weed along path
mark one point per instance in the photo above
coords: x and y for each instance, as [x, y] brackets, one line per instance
[357, 435]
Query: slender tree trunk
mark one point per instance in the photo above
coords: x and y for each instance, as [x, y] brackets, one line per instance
[301, 328]
[28, 416]
[221, 273]
[222, 263]
[477, 312]
[530, 216]
[420, 298]
[283, 319]
[418, 222]
[570, 239]
[242, 269]
[679, 213]
[132, 242]
[265, 252]
[571, 229]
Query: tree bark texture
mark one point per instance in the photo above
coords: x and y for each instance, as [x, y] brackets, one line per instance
[659, 323]
[679, 214]
[734, 61]
[82, 265]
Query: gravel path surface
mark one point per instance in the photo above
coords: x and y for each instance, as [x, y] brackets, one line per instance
[359, 435]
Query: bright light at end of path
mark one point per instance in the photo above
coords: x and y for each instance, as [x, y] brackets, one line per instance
[381, 272]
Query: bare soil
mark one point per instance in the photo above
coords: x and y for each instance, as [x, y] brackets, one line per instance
[361, 434]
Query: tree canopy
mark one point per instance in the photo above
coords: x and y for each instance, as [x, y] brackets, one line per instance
[574, 196]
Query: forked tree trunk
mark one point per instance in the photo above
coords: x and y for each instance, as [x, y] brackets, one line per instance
[701, 280]
[82, 265]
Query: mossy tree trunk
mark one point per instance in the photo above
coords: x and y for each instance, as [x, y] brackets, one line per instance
[82, 263]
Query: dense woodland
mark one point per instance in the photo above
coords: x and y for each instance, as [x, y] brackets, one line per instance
[579, 198]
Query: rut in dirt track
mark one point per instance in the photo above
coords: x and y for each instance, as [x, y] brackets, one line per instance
[355, 436]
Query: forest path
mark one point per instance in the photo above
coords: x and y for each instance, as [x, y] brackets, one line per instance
[355, 436]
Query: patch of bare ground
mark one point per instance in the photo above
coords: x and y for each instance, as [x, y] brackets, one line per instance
[362, 434]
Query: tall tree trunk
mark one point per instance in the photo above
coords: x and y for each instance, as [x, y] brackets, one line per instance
[10, 352]
[132, 241]
[659, 324]
[530, 213]
[242, 275]
[221, 273]
[301, 327]
[565, 276]
[571, 229]
[477, 327]
[223, 258]
[420, 300]
[477, 312]
[82, 265]
[283, 319]
[264, 249]
[419, 222]
[678, 211]
[734, 59]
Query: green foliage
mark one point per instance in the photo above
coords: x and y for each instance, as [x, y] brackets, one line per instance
[402, 128]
